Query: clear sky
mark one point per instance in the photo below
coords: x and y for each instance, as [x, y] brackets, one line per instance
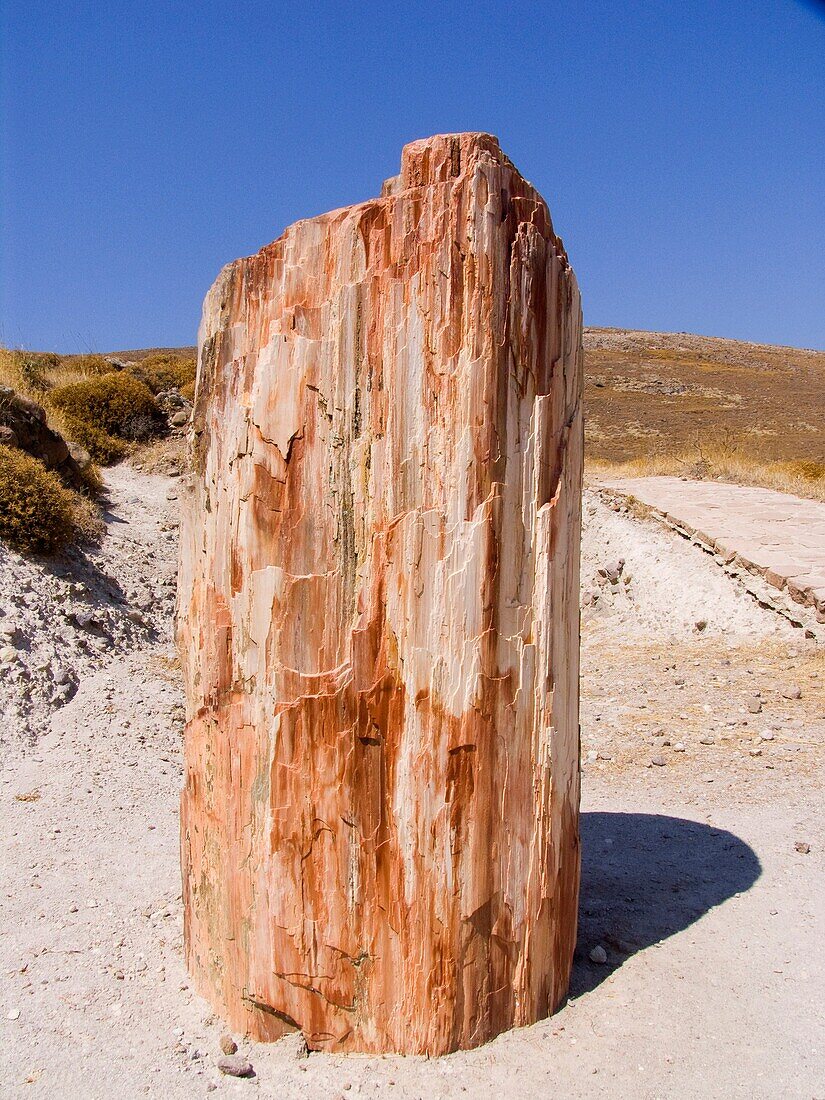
[680, 145]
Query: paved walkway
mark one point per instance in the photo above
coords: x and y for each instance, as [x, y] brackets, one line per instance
[780, 536]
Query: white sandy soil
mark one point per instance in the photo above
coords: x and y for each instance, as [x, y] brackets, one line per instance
[712, 921]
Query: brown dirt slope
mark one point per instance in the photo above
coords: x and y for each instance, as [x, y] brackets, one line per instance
[649, 394]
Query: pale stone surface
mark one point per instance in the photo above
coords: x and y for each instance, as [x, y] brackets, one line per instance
[780, 535]
[378, 618]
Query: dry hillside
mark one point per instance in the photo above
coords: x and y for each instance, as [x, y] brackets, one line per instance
[649, 393]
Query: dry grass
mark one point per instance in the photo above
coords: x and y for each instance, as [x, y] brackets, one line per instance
[801, 478]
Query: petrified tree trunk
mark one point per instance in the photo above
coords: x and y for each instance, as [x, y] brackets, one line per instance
[379, 618]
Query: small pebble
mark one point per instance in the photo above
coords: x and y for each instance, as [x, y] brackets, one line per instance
[802, 847]
[658, 761]
[598, 955]
[228, 1045]
[753, 705]
[791, 692]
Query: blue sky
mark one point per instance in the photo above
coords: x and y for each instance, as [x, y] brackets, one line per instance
[680, 146]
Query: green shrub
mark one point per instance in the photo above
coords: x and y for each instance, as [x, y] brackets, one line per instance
[164, 372]
[115, 403]
[37, 512]
[102, 447]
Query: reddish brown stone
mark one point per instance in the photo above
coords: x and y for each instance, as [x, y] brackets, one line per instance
[379, 618]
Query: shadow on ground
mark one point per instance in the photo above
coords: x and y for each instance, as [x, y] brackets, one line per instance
[646, 877]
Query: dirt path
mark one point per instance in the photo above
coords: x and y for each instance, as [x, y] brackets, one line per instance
[713, 923]
[781, 535]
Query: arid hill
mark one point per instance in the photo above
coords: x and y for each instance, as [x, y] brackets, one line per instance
[651, 394]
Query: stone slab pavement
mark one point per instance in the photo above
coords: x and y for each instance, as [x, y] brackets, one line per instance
[775, 534]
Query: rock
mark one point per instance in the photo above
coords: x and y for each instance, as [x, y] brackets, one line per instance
[802, 847]
[26, 427]
[612, 571]
[707, 740]
[767, 735]
[178, 419]
[172, 400]
[228, 1045]
[753, 705]
[379, 617]
[13, 1014]
[598, 955]
[235, 1065]
[701, 625]
[592, 756]
[791, 692]
[80, 455]
[755, 751]
[658, 761]
[679, 747]
[294, 1045]
[8, 654]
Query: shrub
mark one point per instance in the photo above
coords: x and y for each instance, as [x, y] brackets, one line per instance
[102, 447]
[164, 372]
[37, 512]
[115, 403]
[188, 390]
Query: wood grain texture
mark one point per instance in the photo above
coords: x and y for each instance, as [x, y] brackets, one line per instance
[378, 618]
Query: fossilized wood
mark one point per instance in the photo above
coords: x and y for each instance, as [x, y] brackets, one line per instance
[378, 618]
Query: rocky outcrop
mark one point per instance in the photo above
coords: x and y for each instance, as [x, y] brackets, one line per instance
[378, 618]
[23, 425]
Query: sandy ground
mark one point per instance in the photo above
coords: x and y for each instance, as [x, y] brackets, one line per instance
[712, 920]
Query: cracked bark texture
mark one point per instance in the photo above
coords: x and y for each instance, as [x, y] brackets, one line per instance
[378, 618]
